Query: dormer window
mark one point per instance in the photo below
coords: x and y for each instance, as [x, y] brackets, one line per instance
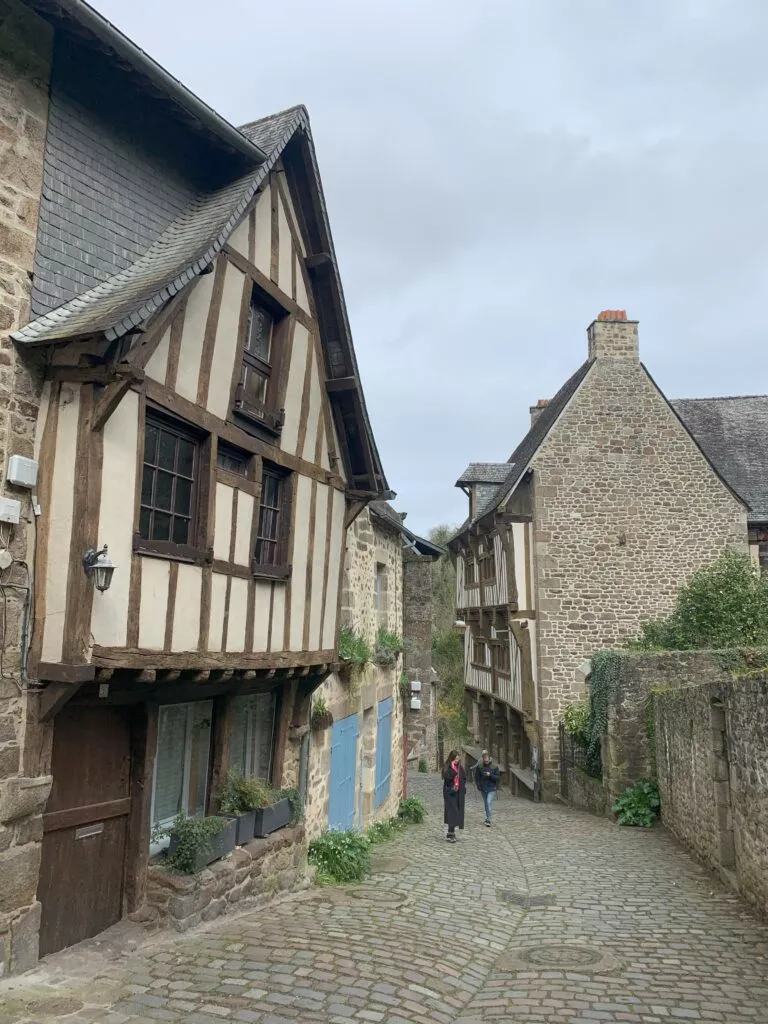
[255, 396]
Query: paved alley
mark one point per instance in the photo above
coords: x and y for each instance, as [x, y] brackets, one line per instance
[552, 915]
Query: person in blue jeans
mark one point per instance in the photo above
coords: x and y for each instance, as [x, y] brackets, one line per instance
[487, 778]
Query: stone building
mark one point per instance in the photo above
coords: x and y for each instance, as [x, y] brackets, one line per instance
[603, 510]
[356, 761]
[179, 393]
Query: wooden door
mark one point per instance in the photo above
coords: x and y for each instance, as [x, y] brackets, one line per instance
[341, 798]
[85, 826]
[383, 750]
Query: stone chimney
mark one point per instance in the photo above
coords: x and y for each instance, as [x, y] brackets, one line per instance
[536, 410]
[612, 336]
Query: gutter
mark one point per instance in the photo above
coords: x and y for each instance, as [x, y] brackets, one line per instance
[108, 34]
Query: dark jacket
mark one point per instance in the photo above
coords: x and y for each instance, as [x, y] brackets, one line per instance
[486, 777]
[453, 799]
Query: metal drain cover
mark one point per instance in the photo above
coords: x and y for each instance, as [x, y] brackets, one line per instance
[385, 897]
[522, 899]
[559, 956]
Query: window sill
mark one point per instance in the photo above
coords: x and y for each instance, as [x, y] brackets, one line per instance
[260, 416]
[270, 572]
[172, 552]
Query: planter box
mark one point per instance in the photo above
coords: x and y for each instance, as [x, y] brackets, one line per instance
[322, 720]
[270, 819]
[219, 845]
[245, 824]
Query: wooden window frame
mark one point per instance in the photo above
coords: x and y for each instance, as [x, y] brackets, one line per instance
[265, 416]
[484, 662]
[500, 654]
[485, 560]
[281, 569]
[470, 573]
[224, 448]
[194, 551]
[189, 739]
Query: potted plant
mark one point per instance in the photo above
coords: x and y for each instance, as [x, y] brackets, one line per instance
[321, 717]
[354, 653]
[388, 647]
[273, 811]
[238, 802]
[197, 842]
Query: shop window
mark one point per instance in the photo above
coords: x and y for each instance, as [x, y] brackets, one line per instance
[253, 732]
[180, 783]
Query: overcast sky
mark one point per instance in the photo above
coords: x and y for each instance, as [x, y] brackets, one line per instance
[497, 173]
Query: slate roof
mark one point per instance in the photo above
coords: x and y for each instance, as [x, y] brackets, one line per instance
[733, 434]
[484, 473]
[384, 511]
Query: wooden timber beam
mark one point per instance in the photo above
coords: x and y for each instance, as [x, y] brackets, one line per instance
[341, 384]
[55, 672]
[54, 697]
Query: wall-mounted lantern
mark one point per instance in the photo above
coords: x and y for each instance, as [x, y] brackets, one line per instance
[100, 566]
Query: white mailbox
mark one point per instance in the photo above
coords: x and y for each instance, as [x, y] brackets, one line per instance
[415, 703]
[415, 686]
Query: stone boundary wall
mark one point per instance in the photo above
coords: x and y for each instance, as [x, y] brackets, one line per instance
[255, 872]
[712, 761]
[587, 794]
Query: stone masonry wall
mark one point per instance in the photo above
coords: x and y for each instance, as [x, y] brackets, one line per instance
[420, 726]
[25, 61]
[626, 508]
[712, 761]
[368, 543]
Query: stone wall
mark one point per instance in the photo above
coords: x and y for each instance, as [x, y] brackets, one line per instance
[25, 61]
[420, 726]
[250, 875]
[586, 793]
[369, 542]
[712, 761]
[626, 508]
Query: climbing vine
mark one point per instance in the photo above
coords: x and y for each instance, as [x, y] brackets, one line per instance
[603, 678]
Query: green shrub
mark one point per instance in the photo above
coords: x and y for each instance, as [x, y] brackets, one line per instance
[193, 836]
[723, 605]
[340, 857]
[242, 793]
[576, 721]
[380, 831]
[412, 810]
[353, 648]
[404, 685]
[293, 797]
[320, 707]
[388, 647]
[423, 766]
[638, 805]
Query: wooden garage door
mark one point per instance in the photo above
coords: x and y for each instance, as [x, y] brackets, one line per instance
[85, 826]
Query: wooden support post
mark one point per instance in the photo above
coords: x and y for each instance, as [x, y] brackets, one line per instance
[221, 747]
[285, 717]
[143, 748]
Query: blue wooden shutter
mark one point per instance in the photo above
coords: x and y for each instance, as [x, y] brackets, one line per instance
[383, 751]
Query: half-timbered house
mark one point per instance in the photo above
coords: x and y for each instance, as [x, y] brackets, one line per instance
[609, 503]
[200, 447]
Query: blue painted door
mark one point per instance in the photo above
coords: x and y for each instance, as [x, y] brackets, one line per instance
[383, 751]
[341, 802]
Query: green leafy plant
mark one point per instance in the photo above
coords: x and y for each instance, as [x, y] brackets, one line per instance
[724, 605]
[404, 685]
[340, 857]
[380, 831]
[423, 766]
[353, 648]
[576, 721]
[193, 837]
[412, 809]
[388, 647]
[638, 805]
[321, 717]
[242, 793]
[292, 795]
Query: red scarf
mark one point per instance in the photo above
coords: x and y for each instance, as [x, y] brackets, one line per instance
[455, 766]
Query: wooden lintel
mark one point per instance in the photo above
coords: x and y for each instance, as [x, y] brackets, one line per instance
[341, 384]
[99, 374]
[55, 672]
[318, 259]
[54, 697]
[198, 661]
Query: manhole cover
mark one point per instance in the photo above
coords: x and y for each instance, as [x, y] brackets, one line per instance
[559, 956]
[386, 897]
[522, 899]
[55, 1007]
[389, 865]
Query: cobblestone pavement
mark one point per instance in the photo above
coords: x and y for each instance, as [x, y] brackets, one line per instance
[551, 915]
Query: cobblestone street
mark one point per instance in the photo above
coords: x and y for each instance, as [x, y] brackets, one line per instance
[551, 915]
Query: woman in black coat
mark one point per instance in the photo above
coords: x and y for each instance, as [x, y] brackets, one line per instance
[454, 791]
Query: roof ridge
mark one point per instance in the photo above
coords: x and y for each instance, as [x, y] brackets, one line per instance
[718, 398]
[278, 113]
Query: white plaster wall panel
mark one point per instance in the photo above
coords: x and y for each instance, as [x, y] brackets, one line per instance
[61, 514]
[109, 617]
[299, 561]
[285, 252]
[225, 347]
[218, 602]
[153, 610]
[238, 612]
[277, 631]
[291, 207]
[243, 526]
[293, 392]
[186, 616]
[325, 462]
[318, 567]
[157, 367]
[301, 292]
[238, 240]
[222, 532]
[521, 564]
[263, 211]
[192, 335]
[332, 585]
[262, 596]
[313, 410]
